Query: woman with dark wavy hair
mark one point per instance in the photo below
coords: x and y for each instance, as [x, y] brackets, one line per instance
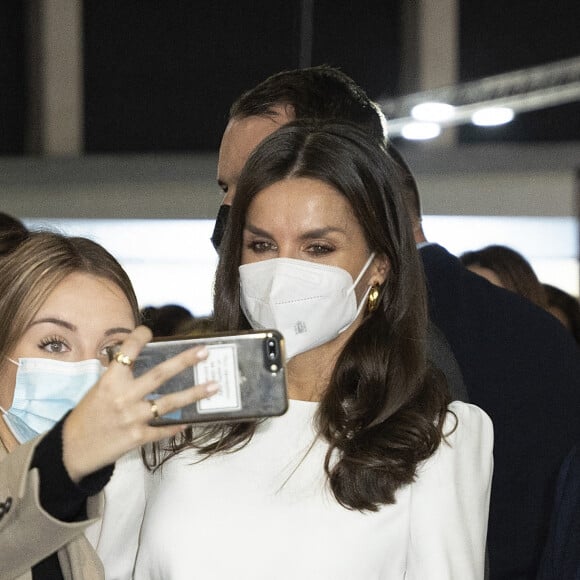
[507, 269]
[371, 473]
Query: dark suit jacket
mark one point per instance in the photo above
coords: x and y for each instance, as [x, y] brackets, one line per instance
[561, 559]
[521, 366]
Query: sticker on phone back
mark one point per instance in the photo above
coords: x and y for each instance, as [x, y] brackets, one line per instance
[220, 366]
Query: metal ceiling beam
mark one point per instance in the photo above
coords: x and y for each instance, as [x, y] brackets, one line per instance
[523, 90]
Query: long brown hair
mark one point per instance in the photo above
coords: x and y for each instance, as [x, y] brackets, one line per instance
[36, 266]
[514, 271]
[384, 408]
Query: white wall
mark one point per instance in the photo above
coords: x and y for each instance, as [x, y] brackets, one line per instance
[478, 180]
[456, 186]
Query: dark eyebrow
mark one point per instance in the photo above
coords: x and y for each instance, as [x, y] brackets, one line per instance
[57, 321]
[256, 231]
[118, 329]
[69, 326]
[317, 233]
[322, 232]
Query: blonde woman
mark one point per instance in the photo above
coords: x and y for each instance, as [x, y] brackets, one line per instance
[63, 303]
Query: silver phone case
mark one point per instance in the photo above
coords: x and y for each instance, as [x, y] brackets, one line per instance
[249, 367]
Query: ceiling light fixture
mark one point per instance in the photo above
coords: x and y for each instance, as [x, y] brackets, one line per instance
[492, 116]
[530, 89]
[420, 131]
[433, 112]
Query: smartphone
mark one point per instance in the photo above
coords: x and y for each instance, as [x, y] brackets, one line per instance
[249, 367]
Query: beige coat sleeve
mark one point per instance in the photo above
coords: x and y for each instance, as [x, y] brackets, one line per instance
[28, 534]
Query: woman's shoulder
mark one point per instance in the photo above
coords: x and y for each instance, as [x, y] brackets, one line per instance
[466, 449]
[468, 412]
[465, 421]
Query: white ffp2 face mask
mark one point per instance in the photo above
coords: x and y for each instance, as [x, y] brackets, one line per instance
[45, 391]
[309, 303]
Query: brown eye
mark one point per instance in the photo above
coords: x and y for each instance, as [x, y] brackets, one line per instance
[320, 249]
[260, 246]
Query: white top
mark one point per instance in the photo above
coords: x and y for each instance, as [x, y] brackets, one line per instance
[266, 512]
[115, 536]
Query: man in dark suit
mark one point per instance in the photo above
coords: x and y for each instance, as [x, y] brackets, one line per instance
[522, 368]
[517, 361]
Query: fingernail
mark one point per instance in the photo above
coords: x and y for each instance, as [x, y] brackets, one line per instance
[212, 388]
[202, 352]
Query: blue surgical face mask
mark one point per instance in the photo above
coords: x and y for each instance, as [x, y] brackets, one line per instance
[45, 391]
[21, 431]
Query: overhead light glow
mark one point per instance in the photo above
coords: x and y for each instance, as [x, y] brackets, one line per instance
[491, 116]
[419, 131]
[433, 112]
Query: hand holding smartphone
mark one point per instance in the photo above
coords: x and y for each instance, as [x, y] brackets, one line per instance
[249, 367]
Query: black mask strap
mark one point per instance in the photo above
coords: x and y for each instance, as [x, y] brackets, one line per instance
[219, 229]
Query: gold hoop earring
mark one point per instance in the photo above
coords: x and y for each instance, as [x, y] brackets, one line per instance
[373, 299]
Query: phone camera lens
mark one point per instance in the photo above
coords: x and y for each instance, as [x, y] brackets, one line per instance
[272, 354]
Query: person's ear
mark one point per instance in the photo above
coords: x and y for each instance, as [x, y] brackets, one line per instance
[290, 111]
[379, 270]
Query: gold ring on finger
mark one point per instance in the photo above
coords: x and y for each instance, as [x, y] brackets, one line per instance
[154, 409]
[123, 359]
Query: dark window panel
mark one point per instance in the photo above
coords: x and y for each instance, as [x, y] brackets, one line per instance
[362, 39]
[12, 78]
[498, 37]
[161, 76]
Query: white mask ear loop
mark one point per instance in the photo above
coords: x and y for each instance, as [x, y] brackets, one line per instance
[363, 272]
[366, 294]
[17, 364]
